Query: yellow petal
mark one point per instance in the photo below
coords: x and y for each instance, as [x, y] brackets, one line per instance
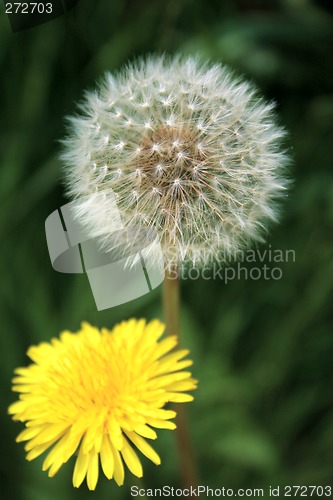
[144, 447]
[55, 468]
[165, 380]
[171, 360]
[36, 451]
[92, 473]
[50, 434]
[29, 433]
[145, 431]
[16, 407]
[115, 433]
[80, 469]
[107, 458]
[161, 424]
[56, 452]
[176, 397]
[154, 330]
[119, 472]
[165, 346]
[158, 413]
[131, 459]
[183, 385]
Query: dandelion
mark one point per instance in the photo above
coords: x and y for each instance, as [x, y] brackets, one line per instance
[187, 148]
[99, 394]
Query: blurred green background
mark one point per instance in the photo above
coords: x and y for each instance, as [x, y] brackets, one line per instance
[263, 349]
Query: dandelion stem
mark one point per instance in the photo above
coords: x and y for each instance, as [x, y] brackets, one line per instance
[171, 303]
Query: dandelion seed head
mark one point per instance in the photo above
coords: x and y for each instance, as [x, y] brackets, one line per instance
[203, 139]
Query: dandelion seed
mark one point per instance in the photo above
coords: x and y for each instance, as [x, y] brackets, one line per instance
[119, 146]
[201, 115]
[100, 394]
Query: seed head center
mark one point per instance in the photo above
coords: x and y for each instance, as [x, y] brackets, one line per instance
[169, 158]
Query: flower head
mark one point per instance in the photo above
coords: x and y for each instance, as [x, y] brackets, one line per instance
[188, 150]
[100, 393]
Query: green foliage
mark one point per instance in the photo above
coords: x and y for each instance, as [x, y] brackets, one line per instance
[263, 349]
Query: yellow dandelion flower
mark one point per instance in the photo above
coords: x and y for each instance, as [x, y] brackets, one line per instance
[99, 394]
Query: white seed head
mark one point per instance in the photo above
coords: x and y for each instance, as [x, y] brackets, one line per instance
[187, 148]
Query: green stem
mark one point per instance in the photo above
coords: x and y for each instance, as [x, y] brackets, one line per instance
[171, 303]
